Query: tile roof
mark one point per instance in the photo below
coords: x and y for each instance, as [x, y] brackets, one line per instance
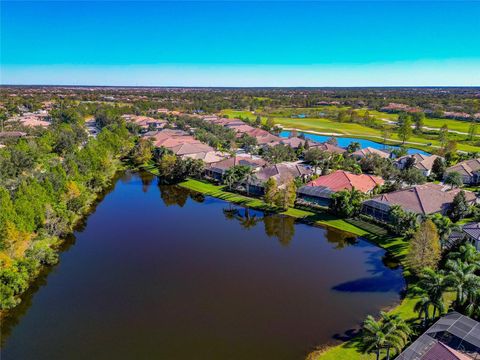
[472, 229]
[282, 172]
[191, 148]
[241, 159]
[343, 180]
[467, 167]
[327, 147]
[370, 151]
[423, 199]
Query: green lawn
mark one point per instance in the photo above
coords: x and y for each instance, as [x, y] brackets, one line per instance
[322, 125]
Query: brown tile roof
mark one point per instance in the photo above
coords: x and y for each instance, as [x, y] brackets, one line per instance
[370, 151]
[190, 148]
[327, 147]
[244, 159]
[467, 167]
[424, 199]
[343, 180]
[282, 172]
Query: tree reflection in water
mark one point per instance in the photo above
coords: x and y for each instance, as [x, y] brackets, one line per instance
[173, 195]
[341, 239]
[280, 226]
[147, 179]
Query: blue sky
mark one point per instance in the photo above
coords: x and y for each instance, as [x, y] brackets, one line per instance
[242, 43]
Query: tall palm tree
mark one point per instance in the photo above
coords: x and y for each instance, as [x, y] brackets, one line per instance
[397, 332]
[433, 284]
[462, 278]
[249, 176]
[473, 305]
[422, 306]
[373, 338]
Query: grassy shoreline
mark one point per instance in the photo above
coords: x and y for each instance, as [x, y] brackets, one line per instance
[396, 246]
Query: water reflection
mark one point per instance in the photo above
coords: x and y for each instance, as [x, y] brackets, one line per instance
[280, 226]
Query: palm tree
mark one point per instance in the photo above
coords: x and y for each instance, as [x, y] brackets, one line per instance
[473, 304]
[462, 278]
[466, 253]
[397, 332]
[433, 284]
[249, 177]
[422, 307]
[373, 338]
[248, 221]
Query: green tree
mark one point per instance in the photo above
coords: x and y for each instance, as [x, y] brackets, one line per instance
[443, 135]
[462, 278]
[142, 152]
[438, 168]
[271, 189]
[472, 131]
[459, 208]
[454, 179]
[286, 196]
[418, 120]
[424, 248]
[433, 284]
[374, 338]
[346, 203]
[403, 222]
[404, 129]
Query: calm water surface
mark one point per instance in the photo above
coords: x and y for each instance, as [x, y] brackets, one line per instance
[345, 141]
[157, 273]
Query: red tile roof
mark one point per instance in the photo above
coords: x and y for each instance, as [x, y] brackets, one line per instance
[343, 180]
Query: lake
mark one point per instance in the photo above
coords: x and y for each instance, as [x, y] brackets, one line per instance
[345, 141]
[157, 272]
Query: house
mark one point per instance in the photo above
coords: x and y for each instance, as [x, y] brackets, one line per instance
[469, 232]
[424, 163]
[263, 137]
[189, 149]
[12, 134]
[216, 170]
[469, 169]
[453, 337]
[370, 151]
[282, 173]
[337, 181]
[421, 199]
[294, 142]
[334, 149]
[145, 122]
[208, 157]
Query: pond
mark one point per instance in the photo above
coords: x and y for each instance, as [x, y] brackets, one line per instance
[157, 272]
[345, 141]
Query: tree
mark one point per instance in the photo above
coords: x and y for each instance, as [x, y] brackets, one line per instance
[454, 179]
[280, 153]
[459, 208]
[404, 130]
[462, 278]
[433, 284]
[142, 152]
[422, 307]
[424, 248]
[397, 331]
[443, 135]
[444, 227]
[467, 253]
[412, 176]
[346, 203]
[418, 120]
[373, 336]
[403, 222]
[472, 131]
[286, 197]
[438, 168]
[258, 121]
[271, 189]
[353, 146]
[386, 132]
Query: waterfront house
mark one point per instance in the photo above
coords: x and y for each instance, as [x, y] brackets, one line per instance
[334, 149]
[421, 199]
[216, 170]
[319, 191]
[424, 163]
[282, 173]
[469, 169]
[370, 151]
[453, 337]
